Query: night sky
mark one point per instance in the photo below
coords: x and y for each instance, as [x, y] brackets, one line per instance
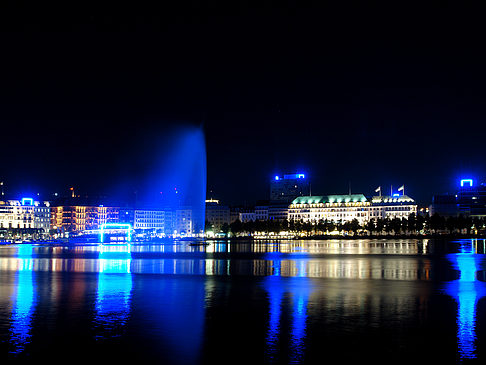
[370, 96]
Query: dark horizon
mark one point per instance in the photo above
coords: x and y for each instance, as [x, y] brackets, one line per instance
[372, 96]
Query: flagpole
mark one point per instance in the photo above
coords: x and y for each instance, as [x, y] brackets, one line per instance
[391, 190]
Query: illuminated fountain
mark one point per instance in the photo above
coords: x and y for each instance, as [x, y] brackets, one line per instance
[176, 180]
[467, 291]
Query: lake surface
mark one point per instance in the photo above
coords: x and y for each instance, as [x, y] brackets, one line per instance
[344, 301]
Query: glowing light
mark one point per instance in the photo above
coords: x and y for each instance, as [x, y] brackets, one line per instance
[116, 226]
[24, 300]
[396, 194]
[467, 182]
[27, 201]
[276, 177]
[300, 289]
[114, 290]
[301, 176]
[466, 291]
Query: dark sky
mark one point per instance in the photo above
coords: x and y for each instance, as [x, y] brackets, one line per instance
[373, 95]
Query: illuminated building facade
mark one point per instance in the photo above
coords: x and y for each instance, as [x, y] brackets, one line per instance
[216, 214]
[145, 219]
[392, 207]
[337, 208]
[25, 214]
[79, 218]
[184, 222]
[344, 208]
[284, 189]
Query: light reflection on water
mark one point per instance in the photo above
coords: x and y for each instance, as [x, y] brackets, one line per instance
[114, 290]
[370, 281]
[467, 291]
[23, 300]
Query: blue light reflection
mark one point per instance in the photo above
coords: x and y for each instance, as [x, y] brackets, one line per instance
[114, 290]
[467, 291]
[24, 300]
[299, 288]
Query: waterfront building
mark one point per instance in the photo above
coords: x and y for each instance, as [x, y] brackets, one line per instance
[216, 214]
[184, 222]
[79, 218]
[336, 208]
[149, 220]
[284, 189]
[392, 207]
[261, 211]
[278, 212]
[344, 208]
[25, 214]
[247, 215]
[235, 214]
[469, 200]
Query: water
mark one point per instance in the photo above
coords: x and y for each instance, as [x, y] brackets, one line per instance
[366, 301]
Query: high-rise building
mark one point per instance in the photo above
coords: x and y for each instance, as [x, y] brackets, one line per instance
[469, 200]
[284, 189]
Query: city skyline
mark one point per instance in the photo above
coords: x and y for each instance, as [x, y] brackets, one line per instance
[286, 89]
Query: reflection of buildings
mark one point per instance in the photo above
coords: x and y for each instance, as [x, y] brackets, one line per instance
[299, 288]
[114, 290]
[24, 300]
[467, 290]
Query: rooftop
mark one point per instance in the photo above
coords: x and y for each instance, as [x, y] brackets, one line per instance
[392, 199]
[318, 199]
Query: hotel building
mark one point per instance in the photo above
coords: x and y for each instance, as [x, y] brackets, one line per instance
[24, 214]
[344, 208]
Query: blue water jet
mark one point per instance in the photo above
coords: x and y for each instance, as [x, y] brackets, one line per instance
[176, 176]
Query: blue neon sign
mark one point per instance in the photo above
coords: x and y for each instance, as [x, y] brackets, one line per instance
[113, 226]
[467, 182]
[27, 201]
